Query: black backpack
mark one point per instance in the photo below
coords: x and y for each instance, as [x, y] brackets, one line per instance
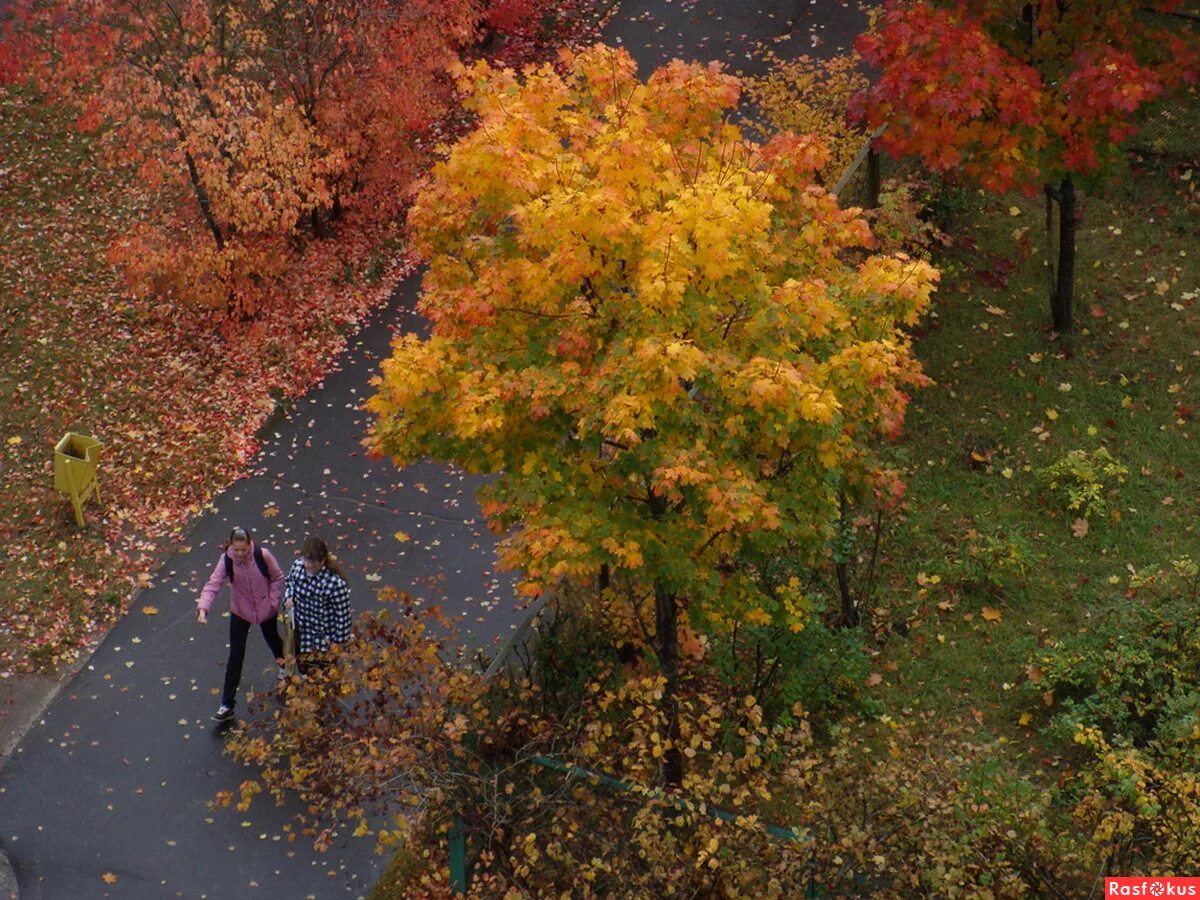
[258, 560]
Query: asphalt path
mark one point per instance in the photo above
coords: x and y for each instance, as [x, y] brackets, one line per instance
[109, 793]
[114, 783]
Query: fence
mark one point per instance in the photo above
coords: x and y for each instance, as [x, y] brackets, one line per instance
[859, 184]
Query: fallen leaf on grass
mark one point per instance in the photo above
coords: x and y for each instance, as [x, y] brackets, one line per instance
[1079, 528]
[990, 614]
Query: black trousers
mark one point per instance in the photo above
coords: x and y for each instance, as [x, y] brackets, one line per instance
[239, 629]
[311, 661]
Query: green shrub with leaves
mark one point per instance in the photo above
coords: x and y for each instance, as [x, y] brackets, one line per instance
[1082, 481]
[1133, 675]
[1138, 806]
[993, 561]
[821, 668]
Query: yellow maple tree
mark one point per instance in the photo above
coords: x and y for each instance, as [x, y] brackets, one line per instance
[667, 340]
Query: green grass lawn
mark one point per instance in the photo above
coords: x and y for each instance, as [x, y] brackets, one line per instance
[983, 564]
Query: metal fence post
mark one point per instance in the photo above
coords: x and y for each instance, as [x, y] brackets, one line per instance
[458, 856]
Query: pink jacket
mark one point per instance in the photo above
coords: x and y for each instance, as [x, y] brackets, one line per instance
[251, 596]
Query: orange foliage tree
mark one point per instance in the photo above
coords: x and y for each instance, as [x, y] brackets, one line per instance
[1019, 95]
[268, 115]
[651, 328]
[812, 96]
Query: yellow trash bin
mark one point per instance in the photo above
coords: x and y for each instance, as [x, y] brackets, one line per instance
[75, 460]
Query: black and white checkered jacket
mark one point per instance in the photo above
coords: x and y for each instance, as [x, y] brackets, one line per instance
[320, 607]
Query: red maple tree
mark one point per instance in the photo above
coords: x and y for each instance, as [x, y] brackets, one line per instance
[1021, 95]
[259, 122]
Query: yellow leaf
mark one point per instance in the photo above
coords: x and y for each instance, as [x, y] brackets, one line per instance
[1014, 210]
[150, 610]
[108, 878]
[402, 536]
[270, 512]
[14, 440]
[1025, 719]
[991, 614]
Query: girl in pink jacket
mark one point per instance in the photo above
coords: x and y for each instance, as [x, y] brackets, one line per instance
[255, 587]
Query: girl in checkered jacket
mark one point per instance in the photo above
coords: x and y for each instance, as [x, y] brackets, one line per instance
[317, 597]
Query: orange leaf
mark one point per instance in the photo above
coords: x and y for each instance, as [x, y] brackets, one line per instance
[108, 878]
[150, 610]
[991, 615]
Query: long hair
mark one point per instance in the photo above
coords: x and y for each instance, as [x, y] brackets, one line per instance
[314, 548]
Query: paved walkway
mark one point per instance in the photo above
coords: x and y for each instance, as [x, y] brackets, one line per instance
[108, 793]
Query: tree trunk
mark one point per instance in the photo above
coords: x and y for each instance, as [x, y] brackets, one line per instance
[1064, 290]
[841, 564]
[872, 179]
[1060, 271]
[204, 201]
[666, 615]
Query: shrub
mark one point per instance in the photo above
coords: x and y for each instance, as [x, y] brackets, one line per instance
[993, 561]
[903, 222]
[820, 668]
[1131, 676]
[1081, 480]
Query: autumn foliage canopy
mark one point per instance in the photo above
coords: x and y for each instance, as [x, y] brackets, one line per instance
[666, 338]
[259, 121]
[1017, 95]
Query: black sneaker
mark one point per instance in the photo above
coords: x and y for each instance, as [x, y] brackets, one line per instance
[223, 714]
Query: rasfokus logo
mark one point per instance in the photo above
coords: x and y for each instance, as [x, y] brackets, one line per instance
[1151, 887]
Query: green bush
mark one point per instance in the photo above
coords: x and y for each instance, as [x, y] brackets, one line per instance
[993, 561]
[1133, 675]
[1081, 480]
[821, 668]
